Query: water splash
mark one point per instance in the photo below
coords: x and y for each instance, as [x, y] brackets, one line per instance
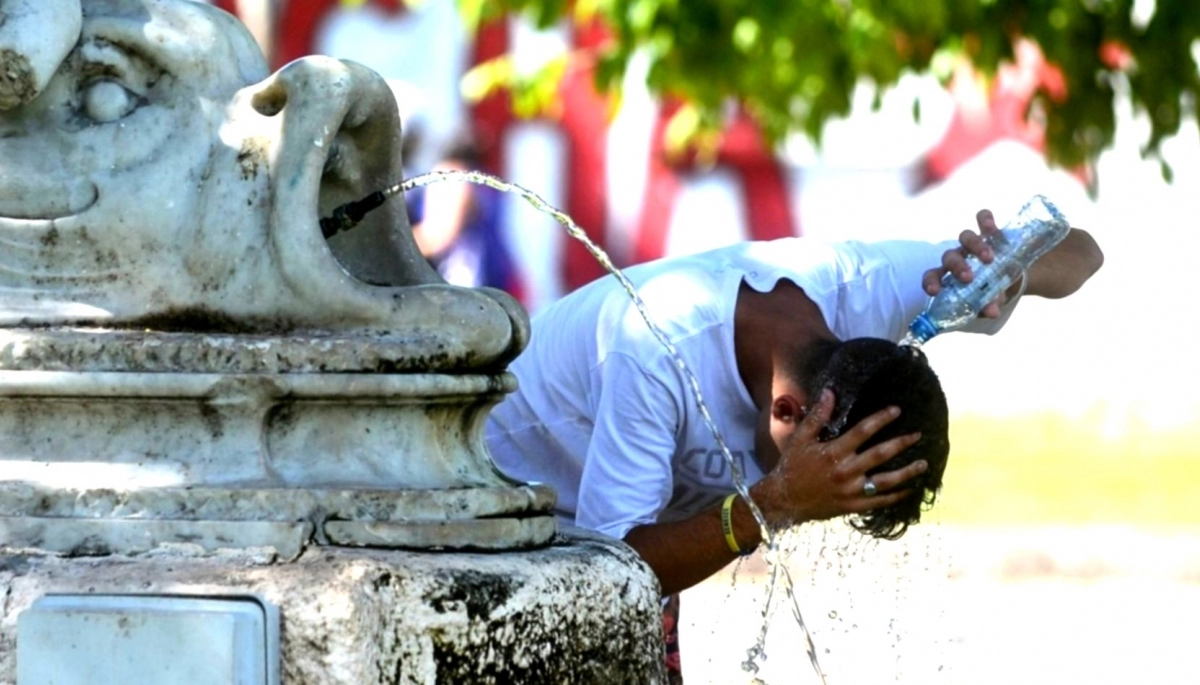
[348, 215]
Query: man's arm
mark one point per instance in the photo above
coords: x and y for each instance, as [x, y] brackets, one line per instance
[813, 481]
[683, 553]
[1059, 273]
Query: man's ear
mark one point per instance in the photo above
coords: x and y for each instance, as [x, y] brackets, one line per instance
[788, 409]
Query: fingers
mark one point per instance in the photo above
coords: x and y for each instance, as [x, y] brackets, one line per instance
[931, 282]
[890, 480]
[863, 430]
[986, 222]
[878, 501]
[974, 244]
[885, 492]
[955, 261]
[816, 418]
[855, 468]
[884, 451]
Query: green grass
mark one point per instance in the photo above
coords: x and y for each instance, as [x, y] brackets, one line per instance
[1049, 469]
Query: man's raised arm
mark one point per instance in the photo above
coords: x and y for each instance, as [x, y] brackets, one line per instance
[1060, 272]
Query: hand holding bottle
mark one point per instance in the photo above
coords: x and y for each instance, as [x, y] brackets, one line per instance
[969, 285]
[956, 262]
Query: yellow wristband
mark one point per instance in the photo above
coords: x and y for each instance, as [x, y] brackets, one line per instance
[727, 525]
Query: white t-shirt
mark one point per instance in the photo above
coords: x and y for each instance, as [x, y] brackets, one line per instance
[604, 414]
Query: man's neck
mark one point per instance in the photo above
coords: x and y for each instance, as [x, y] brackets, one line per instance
[772, 334]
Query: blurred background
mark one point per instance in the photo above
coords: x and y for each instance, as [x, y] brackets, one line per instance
[1066, 544]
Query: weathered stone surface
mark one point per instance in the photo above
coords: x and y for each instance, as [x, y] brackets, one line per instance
[173, 315]
[401, 448]
[85, 349]
[407, 431]
[493, 534]
[402, 431]
[160, 179]
[272, 504]
[99, 537]
[99, 522]
[259, 391]
[35, 35]
[358, 447]
[583, 610]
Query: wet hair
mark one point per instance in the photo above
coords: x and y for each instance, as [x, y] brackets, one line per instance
[867, 375]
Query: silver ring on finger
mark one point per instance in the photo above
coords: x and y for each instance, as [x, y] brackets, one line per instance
[869, 489]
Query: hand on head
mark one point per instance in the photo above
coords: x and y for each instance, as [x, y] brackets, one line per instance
[817, 480]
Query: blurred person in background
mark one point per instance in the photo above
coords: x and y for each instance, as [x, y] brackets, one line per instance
[458, 225]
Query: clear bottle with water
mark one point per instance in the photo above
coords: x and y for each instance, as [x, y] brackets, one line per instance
[1037, 228]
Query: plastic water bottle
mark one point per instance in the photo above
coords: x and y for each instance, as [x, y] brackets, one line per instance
[1037, 228]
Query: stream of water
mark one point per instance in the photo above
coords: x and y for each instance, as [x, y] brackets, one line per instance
[778, 570]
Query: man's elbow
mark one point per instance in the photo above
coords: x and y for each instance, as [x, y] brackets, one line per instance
[1075, 260]
[1091, 256]
[1088, 255]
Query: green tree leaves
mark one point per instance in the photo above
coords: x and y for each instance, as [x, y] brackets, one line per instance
[793, 64]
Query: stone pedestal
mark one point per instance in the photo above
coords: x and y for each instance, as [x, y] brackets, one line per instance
[584, 609]
[309, 472]
[117, 441]
[208, 400]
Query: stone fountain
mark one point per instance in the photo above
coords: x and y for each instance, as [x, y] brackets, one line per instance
[228, 445]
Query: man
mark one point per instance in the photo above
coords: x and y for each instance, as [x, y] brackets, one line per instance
[604, 413]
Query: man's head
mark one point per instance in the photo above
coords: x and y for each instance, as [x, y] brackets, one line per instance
[867, 375]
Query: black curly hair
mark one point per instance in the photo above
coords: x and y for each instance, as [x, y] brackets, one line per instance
[867, 375]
